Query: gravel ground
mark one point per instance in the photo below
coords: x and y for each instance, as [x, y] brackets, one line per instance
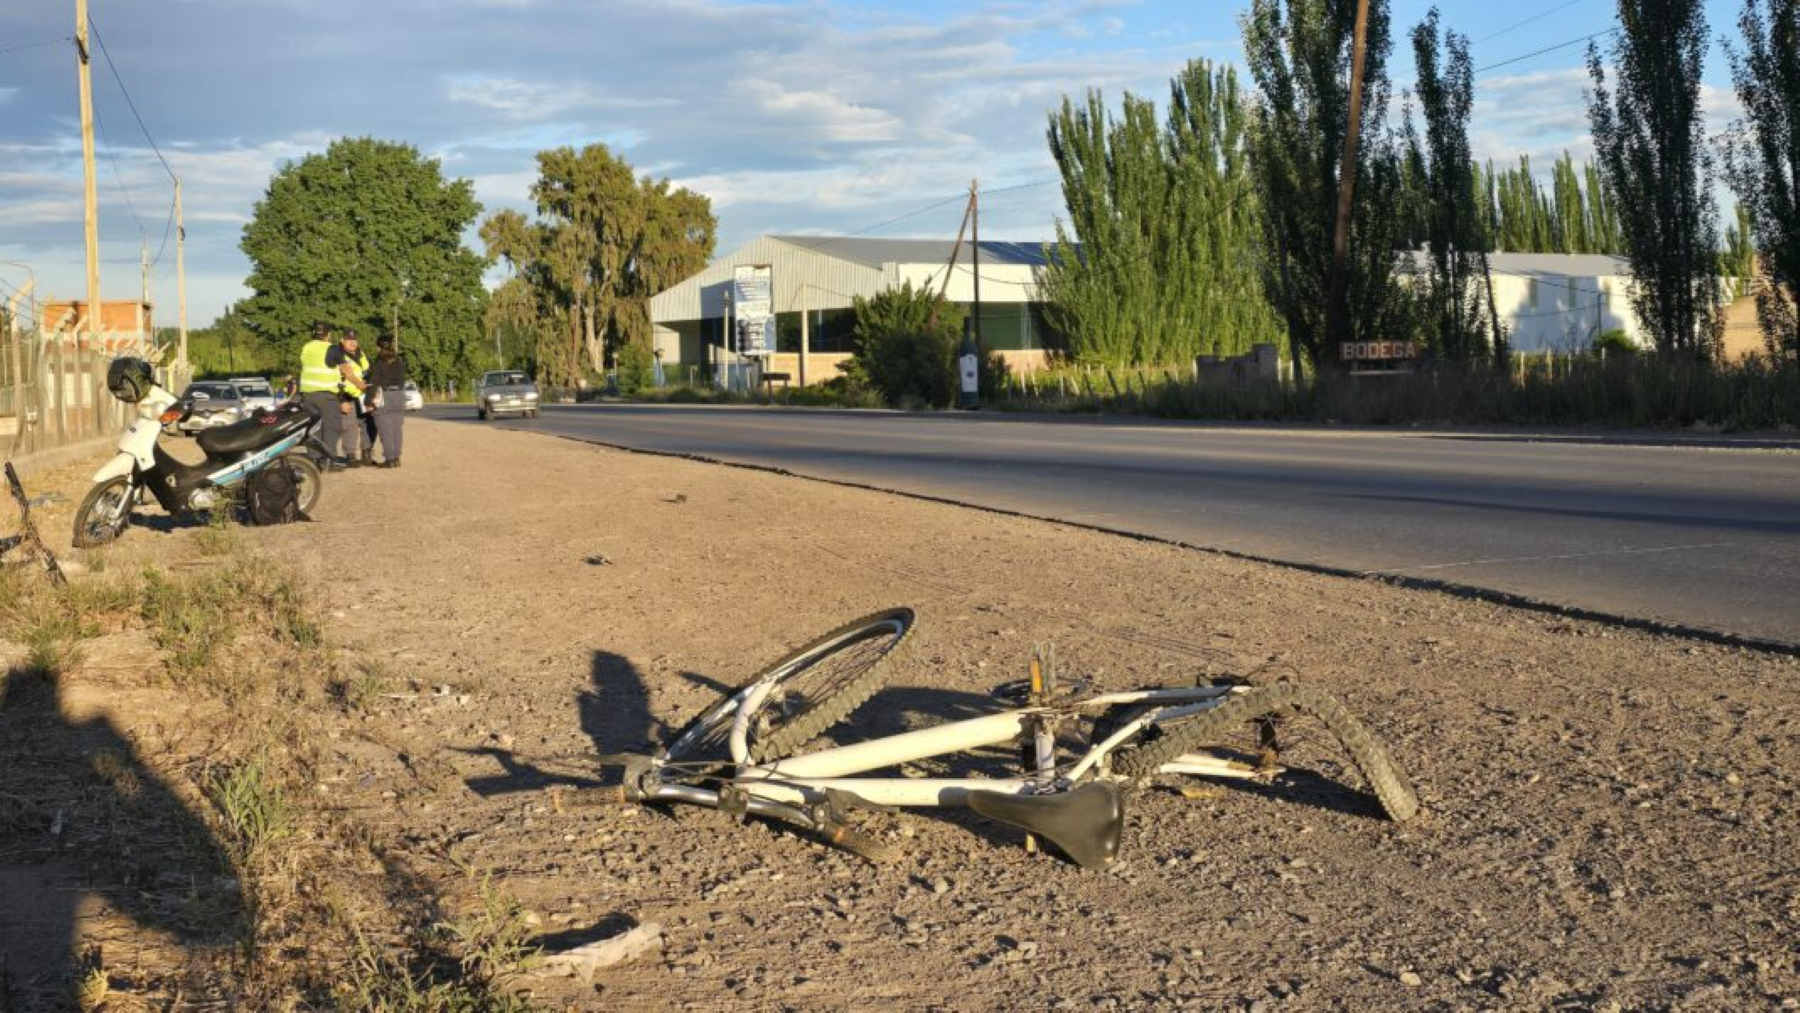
[1610, 815]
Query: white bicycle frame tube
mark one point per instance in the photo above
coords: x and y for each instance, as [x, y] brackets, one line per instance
[795, 778]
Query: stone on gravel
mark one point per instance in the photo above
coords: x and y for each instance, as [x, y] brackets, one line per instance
[584, 960]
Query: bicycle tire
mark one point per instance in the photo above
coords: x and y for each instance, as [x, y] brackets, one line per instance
[810, 712]
[1366, 752]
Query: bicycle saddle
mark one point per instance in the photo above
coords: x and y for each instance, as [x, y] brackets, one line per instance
[1085, 824]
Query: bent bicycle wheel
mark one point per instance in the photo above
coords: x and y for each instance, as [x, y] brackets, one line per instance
[812, 689]
[1304, 731]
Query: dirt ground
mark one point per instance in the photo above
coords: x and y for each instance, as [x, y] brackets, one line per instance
[1610, 815]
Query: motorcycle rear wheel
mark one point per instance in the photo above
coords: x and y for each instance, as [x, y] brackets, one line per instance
[104, 513]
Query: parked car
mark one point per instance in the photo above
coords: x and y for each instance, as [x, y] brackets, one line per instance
[210, 403]
[414, 399]
[505, 392]
[258, 394]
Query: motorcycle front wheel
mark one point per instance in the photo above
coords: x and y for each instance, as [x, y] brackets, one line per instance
[104, 513]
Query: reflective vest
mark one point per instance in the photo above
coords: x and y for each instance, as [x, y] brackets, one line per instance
[358, 366]
[315, 376]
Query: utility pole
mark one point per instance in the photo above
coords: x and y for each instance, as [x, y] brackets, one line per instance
[968, 356]
[145, 345]
[805, 334]
[975, 248]
[181, 356]
[90, 199]
[1337, 312]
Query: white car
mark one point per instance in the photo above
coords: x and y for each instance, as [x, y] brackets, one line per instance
[414, 399]
[257, 393]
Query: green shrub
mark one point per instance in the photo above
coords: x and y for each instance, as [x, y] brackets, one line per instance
[634, 369]
[907, 354]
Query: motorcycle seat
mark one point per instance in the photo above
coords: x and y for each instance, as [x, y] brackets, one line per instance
[252, 434]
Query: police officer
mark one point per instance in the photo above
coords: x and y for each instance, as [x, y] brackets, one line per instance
[319, 381]
[351, 364]
[387, 377]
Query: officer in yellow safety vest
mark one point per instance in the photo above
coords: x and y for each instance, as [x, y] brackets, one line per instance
[319, 381]
[347, 358]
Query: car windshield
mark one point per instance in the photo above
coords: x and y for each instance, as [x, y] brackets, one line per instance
[411, 385]
[255, 390]
[211, 390]
[508, 380]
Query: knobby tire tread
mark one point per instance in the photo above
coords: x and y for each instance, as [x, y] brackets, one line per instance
[1371, 758]
[823, 713]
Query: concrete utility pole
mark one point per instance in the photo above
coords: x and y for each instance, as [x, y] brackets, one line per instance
[805, 334]
[181, 359]
[975, 247]
[89, 197]
[1337, 312]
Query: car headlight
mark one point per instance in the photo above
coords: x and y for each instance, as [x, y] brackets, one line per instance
[531, 395]
[493, 397]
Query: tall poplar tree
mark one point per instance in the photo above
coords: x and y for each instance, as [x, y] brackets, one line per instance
[1459, 294]
[1157, 260]
[1763, 160]
[1650, 140]
[1299, 52]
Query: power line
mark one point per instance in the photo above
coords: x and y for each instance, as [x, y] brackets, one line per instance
[1547, 49]
[1535, 17]
[36, 45]
[128, 100]
[118, 177]
[882, 225]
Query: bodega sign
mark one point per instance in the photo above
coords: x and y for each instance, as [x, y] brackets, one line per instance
[1365, 351]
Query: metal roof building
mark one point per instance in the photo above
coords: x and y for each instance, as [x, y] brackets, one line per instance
[821, 275]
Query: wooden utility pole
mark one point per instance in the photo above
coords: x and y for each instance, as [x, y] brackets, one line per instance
[145, 345]
[950, 267]
[975, 249]
[1337, 312]
[181, 355]
[90, 199]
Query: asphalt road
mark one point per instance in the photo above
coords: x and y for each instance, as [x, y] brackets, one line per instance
[1700, 537]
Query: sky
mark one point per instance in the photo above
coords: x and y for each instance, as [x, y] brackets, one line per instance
[807, 116]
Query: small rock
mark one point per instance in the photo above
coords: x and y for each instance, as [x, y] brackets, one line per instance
[940, 886]
[1411, 979]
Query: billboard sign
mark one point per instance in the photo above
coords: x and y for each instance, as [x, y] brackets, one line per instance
[753, 308]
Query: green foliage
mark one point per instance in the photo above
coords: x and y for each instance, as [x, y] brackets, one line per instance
[254, 807]
[906, 348]
[1614, 342]
[1299, 55]
[1762, 162]
[603, 243]
[634, 368]
[1650, 139]
[367, 233]
[228, 347]
[1587, 390]
[1575, 216]
[1165, 268]
[1455, 304]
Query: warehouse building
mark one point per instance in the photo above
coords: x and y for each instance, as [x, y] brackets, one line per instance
[815, 279]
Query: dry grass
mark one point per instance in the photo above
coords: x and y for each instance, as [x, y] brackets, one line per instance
[320, 914]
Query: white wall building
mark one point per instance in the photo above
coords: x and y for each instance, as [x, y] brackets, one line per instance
[820, 275]
[1547, 301]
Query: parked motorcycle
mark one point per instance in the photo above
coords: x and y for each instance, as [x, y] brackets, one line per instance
[234, 452]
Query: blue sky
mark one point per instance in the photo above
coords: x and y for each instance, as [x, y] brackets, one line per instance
[804, 116]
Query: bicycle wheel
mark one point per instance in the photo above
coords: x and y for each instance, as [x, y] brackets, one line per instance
[1296, 726]
[813, 688]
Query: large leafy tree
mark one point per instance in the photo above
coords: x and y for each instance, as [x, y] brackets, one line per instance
[1299, 52]
[1157, 261]
[603, 242]
[1459, 299]
[1650, 140]
[1763, 160]
[367, 235]
[1574, 216]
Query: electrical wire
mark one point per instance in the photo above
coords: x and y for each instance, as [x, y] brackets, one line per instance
[118, 177]
[1535, 17]
[1547, 49]
[880, 225]
[36, 45]
[128, 100]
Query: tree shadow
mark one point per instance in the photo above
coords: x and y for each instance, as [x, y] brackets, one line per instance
[86, 827]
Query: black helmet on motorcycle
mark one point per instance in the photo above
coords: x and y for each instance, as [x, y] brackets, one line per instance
[130, 379]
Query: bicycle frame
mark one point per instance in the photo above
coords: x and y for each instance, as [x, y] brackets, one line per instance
[804, 779]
